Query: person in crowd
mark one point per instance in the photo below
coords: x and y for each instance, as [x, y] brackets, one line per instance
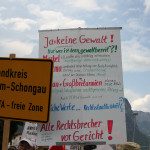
[90, 147]
[12, 147]
[26, 144]
[129, 146]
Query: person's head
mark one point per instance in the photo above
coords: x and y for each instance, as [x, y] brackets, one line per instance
[26, 144]
[129, 146]
[90, 147]
[12, 147]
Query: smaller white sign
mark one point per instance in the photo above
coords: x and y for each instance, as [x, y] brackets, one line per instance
[30, 131]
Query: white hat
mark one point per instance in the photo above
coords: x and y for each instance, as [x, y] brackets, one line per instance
[30, 142]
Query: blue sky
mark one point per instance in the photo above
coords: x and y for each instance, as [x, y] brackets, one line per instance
[20, 21]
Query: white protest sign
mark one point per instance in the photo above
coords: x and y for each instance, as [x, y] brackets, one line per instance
[30, 131]
[87, 95]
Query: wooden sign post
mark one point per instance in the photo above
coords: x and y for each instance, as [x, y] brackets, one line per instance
[6, 127]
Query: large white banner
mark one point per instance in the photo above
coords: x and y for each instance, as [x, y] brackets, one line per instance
[87, 94]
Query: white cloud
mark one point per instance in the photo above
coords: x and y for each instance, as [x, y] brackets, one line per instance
[137, 102]
[142, 104]
[54, 20]
[15, 46]
[108, 9]
[135, 56]
[130, 95]
[20, 1]
[2, 8]
[131, 10]
[114, 19]
[135, 25]
[18, 24]
[147, 5]
[89, 5]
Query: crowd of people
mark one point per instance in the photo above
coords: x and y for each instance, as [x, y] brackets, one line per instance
[28, 144]
[24, 144]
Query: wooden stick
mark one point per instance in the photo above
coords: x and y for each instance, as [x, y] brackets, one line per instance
[6, 127]
[6, 130]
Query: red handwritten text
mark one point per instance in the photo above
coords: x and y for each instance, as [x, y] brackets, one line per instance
[83, 82]
[90, 136]
[47, 127]
[58, 40]
[55, 59]
[77, 125]
[84, 39]
[67, 40]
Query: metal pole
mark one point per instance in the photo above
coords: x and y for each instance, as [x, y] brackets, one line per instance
[134, 114]
[149, 141]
